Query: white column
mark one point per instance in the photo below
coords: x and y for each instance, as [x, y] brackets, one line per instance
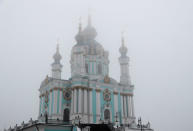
[72, 102]
[127, 102]
[95, 66]
[60, 102]
[75, 100]
[97, 106]
[97, 103]
[125, 97]
[50, 102]
[90, 106]
[85, 101]
[122, 107]
[133, 114]
[129, 105]
[116, 103]
[55, 101]
[80, 100]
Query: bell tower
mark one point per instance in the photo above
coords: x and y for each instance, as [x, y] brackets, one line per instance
[124, 64]
[56, 65]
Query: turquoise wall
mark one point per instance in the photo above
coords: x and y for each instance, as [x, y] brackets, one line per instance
[63, 129]
[103, 103]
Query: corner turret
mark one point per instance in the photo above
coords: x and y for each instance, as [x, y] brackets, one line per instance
[124, 64]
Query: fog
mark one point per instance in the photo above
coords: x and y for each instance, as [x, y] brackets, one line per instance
[158, 34]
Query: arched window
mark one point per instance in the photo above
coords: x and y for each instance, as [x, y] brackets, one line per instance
[99, 68]
[107, 114]
[86, 67]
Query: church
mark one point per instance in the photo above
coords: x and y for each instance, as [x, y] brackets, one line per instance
[90, 97]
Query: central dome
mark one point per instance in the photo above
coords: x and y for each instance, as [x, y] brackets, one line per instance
[87, 36]
[86, 41]
[88, 57]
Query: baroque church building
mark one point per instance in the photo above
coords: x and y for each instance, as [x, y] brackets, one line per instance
[90, 95]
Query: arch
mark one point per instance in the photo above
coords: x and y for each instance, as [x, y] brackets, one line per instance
[107, 114]
[66, 115]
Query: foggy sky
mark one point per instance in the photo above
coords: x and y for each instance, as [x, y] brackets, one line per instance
[159, 37]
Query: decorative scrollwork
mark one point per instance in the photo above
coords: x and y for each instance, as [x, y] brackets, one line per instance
[67, 94]
[107, 95]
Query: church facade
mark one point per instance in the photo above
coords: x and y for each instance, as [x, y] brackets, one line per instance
[90, 95]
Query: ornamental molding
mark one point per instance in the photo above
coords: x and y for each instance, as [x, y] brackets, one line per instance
[52, 89]
[67, 94]
[98, 90]
[82, 88]
[107, 95]
[126, 94]
[115, 92]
